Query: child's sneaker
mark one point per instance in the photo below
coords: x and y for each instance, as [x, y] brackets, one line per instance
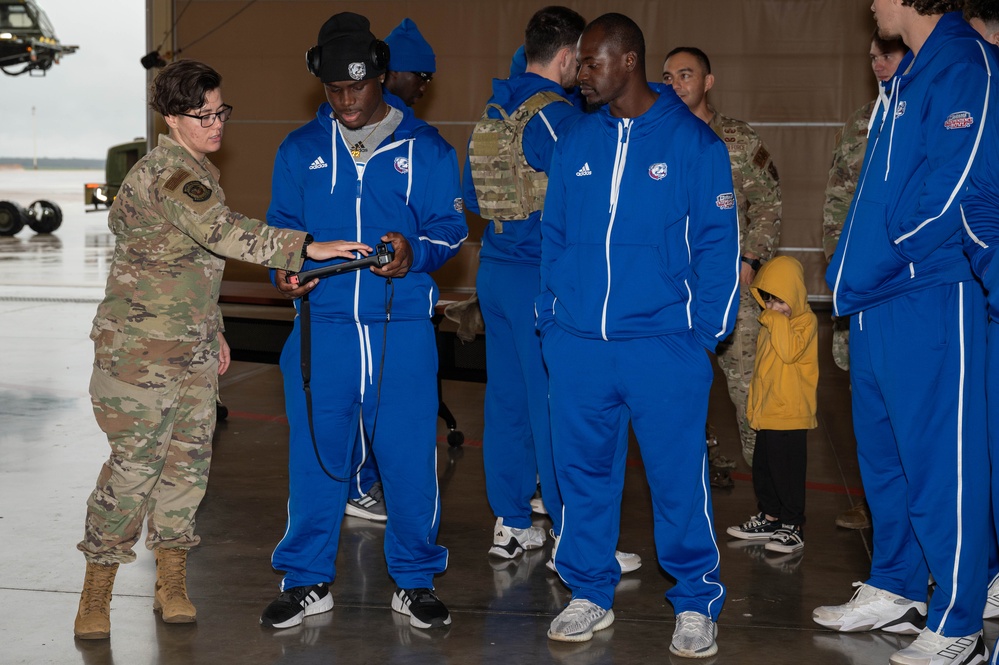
[933, 649]
[786, 539]
[757, 527]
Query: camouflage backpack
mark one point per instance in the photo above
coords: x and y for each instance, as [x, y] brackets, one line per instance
[507, 187]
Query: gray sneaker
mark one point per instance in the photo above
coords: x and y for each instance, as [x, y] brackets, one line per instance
[370, 506]
[694, 636]
[579, 620]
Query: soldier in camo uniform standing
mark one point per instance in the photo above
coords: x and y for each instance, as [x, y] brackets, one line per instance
[757, 190]
[848, 158]
[159, 346]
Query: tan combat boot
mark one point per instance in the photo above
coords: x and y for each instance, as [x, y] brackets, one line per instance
[171, 586]
[93, 619]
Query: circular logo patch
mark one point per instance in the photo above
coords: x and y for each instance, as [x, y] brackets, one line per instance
[658, 171]
[401, 164]
[197, 191]
[357, 70]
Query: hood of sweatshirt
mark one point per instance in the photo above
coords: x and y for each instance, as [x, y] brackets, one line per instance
[512, 92]
[784, 277]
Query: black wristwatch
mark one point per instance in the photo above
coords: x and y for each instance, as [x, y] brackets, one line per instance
[753, 263]
[305, 246]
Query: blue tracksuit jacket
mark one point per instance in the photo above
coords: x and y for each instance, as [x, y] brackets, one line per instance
[409, 186]
[903, 230]
[673, 263]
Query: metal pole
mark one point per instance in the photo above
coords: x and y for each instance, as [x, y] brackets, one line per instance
[34, 140]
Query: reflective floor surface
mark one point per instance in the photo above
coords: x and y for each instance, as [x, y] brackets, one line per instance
[51, 451]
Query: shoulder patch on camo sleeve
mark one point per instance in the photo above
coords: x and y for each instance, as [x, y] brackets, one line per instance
[179, 176]
[761, 157]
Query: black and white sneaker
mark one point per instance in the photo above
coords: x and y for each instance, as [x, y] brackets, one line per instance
[293, 605]
[757, 527]
[369, 506]
[425, 610]
[787, 540]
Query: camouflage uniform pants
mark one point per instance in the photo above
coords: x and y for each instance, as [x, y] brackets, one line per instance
[736, 356]
[155, 400]
[841, 342]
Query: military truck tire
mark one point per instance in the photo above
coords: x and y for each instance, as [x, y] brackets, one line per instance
[43, 216]
[12, 218]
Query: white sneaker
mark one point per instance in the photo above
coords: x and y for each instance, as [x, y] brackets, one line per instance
[933, 649]
[992, 601]
[509, 542]
[694, 636]
[872, 608]
[579, 620]
[629, 561]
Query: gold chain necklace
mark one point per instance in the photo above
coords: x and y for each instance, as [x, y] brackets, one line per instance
[358, 148]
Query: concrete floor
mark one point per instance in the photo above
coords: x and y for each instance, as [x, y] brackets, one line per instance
[51, 451]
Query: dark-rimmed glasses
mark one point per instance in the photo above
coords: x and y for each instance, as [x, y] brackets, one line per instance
[208, 119]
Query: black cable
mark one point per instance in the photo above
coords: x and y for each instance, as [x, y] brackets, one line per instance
[174, 26]
[306, 367]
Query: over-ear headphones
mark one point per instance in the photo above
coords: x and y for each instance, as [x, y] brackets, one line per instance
[378, 54]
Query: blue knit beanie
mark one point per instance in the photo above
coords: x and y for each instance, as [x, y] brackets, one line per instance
[409, 51]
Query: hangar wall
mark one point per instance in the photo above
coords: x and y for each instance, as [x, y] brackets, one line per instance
[794, 69]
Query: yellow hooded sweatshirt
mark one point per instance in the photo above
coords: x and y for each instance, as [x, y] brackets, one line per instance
[782, 390]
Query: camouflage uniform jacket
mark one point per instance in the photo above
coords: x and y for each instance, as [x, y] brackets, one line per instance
[848, 159]
[757, 185]
[172, 231]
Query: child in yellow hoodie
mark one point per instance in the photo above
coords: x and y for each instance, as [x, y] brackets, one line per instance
[781, 405]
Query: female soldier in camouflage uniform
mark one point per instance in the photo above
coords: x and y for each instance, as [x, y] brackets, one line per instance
[159, 344]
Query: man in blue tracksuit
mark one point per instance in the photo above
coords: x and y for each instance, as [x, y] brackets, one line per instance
[917, 341]
[640, 274]
[370, 172]
[516, 447]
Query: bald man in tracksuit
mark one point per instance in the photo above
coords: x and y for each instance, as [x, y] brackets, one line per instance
[640, 275]
[917, 344]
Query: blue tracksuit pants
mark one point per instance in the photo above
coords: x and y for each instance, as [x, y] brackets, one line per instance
[346, 362]
[661, 384]
[516, 446]
[917, 371]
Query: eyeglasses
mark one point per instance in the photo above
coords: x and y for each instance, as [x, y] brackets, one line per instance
[208, 119]
[427, 77]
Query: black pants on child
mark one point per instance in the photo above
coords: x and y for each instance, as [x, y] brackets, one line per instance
[779, 463]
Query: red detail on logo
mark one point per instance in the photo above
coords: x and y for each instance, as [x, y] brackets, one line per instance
[959, 120]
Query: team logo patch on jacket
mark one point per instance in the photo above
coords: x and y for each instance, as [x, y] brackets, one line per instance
[197, 191]
[658, 171]
[900, 110]
[725, 201]
[959, 120]
[357, 70]
[401, 164]
[459, 204]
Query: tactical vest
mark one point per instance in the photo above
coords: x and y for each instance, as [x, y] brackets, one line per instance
[507, 187]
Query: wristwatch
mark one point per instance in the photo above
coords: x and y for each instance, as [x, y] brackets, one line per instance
[305, 246]
[753, 263]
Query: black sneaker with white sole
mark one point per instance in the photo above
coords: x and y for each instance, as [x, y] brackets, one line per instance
[425, 610]
[293, 605]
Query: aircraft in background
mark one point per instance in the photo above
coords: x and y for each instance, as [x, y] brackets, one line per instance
[27, 39]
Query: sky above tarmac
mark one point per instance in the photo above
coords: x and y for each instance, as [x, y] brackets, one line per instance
[93, 98]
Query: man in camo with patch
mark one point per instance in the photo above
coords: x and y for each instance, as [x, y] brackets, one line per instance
[848, 158]
[159, 346]
[758, 195]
